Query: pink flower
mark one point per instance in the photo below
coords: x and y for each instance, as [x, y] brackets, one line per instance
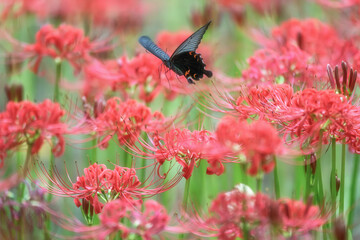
[117, 14]
[151, 221]
[287, 65]
[299, 217]
[307, 35]
[100, 77]
[41, 8]
[234, 214]
[339, 3]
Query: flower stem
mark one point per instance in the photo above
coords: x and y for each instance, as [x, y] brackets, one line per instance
[186, 193]
[259, 181]
[244, 173]
[318, 175]
[353, 189]
[333, 176]
[57, 80]
[308, 177]
[342, 180]
[93, 152]
[276, 180]
[27, 160]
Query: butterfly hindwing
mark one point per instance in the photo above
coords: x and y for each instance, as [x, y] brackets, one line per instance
[191, 65]
[149, 45]
[192, 42]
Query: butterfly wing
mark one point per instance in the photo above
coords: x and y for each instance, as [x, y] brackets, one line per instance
[149, 45]
[192, 42]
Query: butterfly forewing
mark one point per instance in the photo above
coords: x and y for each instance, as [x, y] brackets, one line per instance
[192, 42]
[149, 45]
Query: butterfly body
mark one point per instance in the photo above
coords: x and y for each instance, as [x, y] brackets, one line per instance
[184, 61]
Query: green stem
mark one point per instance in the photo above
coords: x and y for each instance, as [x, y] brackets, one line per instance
[27, 160]
[244, 173]
[276, 180]
[342, 180]
[353, 190]
[57, 80]
[308, 177]
[320, 191]
[259, 181]
[93, 152]
[318, 174]
[333, 176]
[51, 174]
[185, 201]
[186, 193]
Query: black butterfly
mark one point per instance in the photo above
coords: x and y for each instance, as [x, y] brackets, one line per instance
[184, 61]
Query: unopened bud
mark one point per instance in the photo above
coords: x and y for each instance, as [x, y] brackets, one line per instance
[14, 92]
[339, 229]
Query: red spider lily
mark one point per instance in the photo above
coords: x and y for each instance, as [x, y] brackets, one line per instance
[115, 13]
[339, 3]
[230, 215]
[299, 217]
[234, 214]
[118, 14]
[100, 77]
[237, 8]
[100, 185]
[41, 8]
[305, 114]
[151, 221]
[186, 147]
[27, 122]
[259, 142]
[307, 35]
[127, 219]
[64, 43]
[126, 120]
[289, 64]
[144, 73]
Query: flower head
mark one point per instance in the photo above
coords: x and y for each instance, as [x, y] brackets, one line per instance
[126, 120]
[307, 35]
[144, 71]
[304, 116]
[299, 217]
[186, 147]
[65, 42]
[98, 186]
[27, 122]
[236, 213]
[289, 65]
[151, 221]
[258, 142]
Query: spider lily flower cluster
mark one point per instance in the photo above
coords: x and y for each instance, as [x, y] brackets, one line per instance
[142, 154]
